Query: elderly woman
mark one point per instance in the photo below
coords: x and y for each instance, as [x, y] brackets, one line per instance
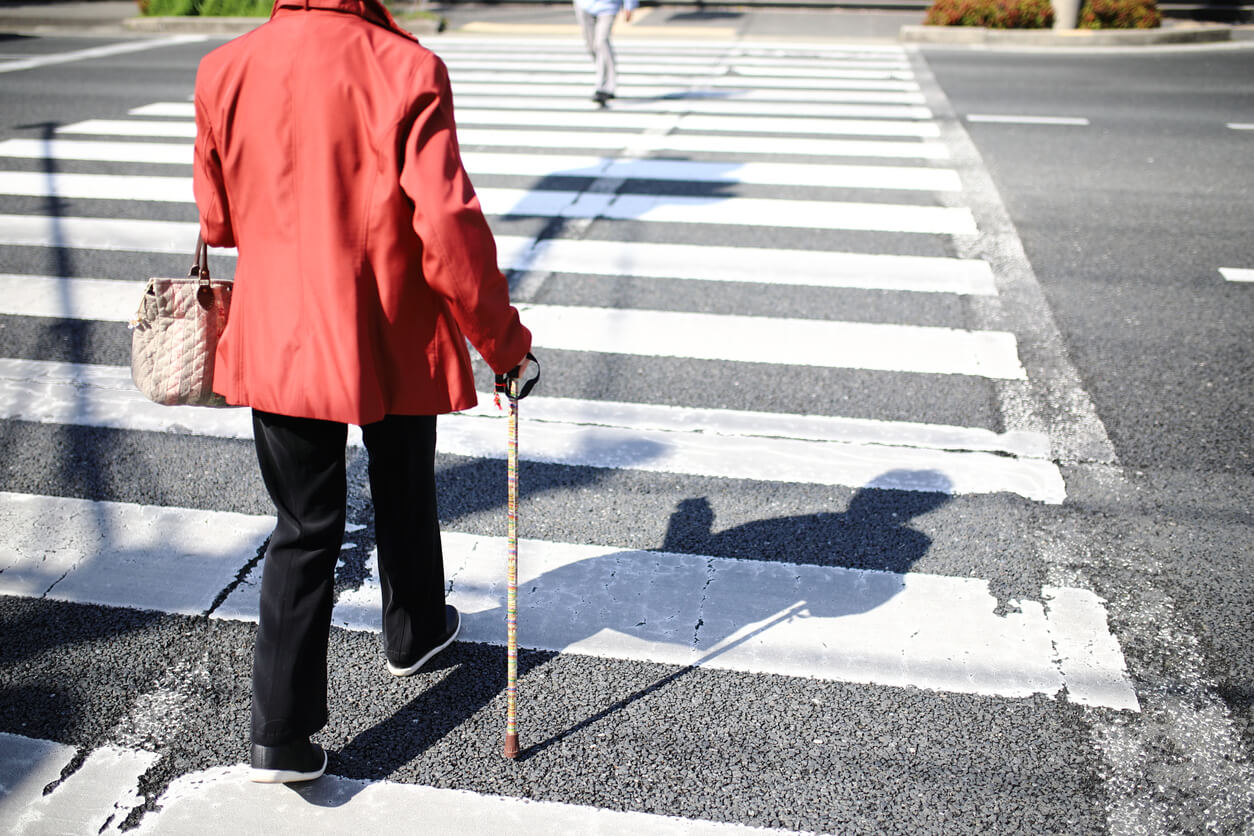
[596, 18]
[326, 152]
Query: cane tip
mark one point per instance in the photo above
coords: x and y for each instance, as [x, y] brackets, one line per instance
[511, 746]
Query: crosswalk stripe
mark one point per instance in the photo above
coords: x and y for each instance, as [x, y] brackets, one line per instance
[636, 119]
[887, 455]
[746, 211]
[741, 145]
[746, 339]
[335, 804]
[805, 214]
[1237, 274]
[628, 91]
[747, 264]
[617, 258]
[668, 68]
[859, 106]
[912, 178]
[758, 82]
[448, 52]
[928, 631]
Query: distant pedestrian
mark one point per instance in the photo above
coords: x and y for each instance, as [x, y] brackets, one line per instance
[596, 18]
[326, 152]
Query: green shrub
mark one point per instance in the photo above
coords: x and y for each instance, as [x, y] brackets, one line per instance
[205, 8]
[1119, 14]
[167, 8]
[993, 14]
[235, 8]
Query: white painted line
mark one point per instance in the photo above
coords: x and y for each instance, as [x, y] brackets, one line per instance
[907, 178]
[225, 797]
[590, 139]
[161, 153]
[1237, 274]
[1088, 654]
[637, 118]
[106, 300]
[727, 422]
[680, 81]
[95, 798]
[677, 209]
[854, 105]
[830, 623]
[804, 214]
[100, 234]
[1027, 120]
[27, 766]
[97, 186]
[131, 127]
[667, 261]
[648, 92]
[889, 455]
[745, 264]
[1241, 126]
[744, 124]
[121, 554]
[98, 52]
[666, 67]
[741, 146]
[745, 339]
[912, 178]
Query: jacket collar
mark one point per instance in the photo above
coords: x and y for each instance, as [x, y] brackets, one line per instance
[371, 10]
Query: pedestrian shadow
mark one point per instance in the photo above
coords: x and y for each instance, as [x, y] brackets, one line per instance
[667, 608]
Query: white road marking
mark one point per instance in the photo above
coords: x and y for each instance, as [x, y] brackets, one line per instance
[832, 623]
[745, 339]
[651, 94]
[1237, 274]
[911, 178]
[681, 82]
[638, 118]
[747, 211]
[1241, 126]
[717, 443]
[161, 153]
[333, 804]
[36, 61]
[749, 264]
[124, 555]
[805, 214]
[740, 145]
[860, 106]
[95, 798]
[1026, 120]
[665, 261]
[665, 67]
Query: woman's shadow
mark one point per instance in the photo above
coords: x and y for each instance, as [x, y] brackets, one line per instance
[873, 533]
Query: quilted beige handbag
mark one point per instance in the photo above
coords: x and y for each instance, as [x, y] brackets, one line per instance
[174, 336]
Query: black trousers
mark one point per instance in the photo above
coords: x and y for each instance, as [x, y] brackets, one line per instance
[302, 464]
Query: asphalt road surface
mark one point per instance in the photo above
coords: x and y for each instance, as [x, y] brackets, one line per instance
[891, 471]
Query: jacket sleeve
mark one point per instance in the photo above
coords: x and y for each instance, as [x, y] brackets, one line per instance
[207, 184]
[458, 251]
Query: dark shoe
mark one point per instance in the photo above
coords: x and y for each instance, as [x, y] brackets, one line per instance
[601, 97]
[452, 625]
[299, 761]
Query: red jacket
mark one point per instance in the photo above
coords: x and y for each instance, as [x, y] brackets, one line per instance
[327, 153]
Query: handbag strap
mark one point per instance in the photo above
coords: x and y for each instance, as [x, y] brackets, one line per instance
[200, 267]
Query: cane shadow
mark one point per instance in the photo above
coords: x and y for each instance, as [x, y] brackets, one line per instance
[876, 521]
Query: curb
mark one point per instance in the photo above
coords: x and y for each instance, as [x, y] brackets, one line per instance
[977, 35]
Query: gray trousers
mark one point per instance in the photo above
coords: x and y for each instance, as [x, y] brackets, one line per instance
[596, 36]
